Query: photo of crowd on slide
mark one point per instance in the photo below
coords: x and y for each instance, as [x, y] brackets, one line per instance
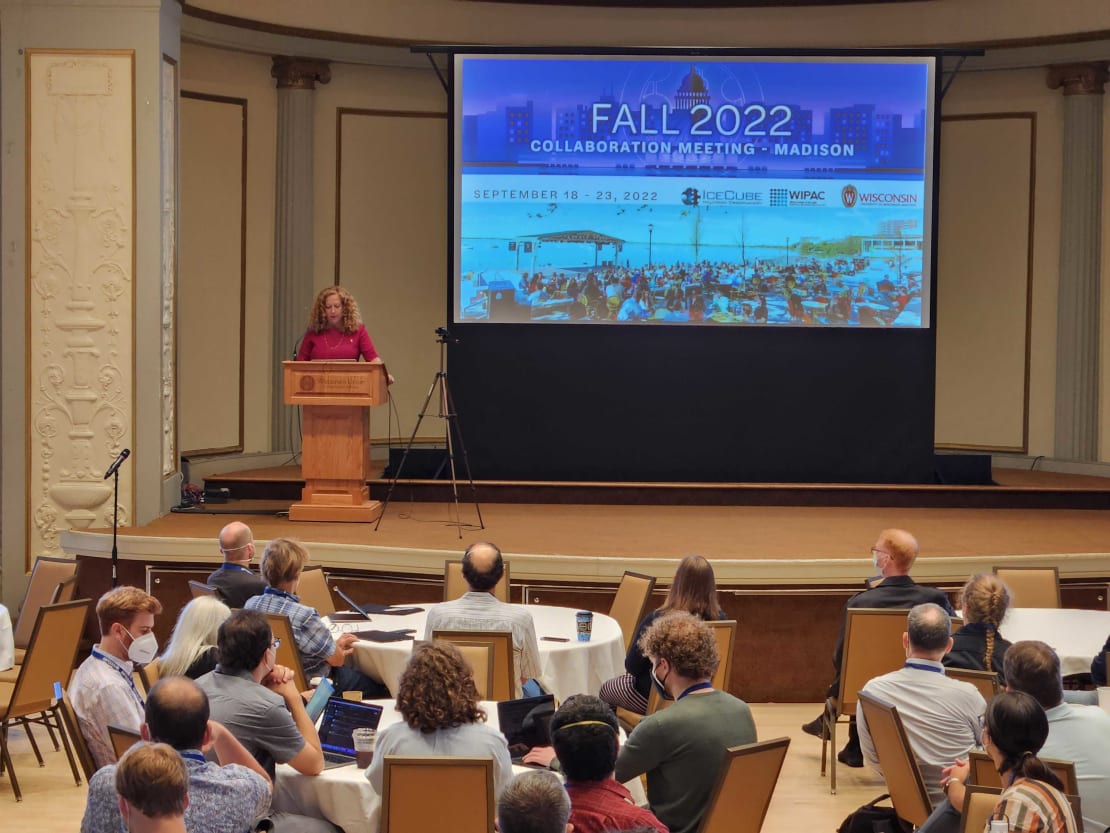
[584, 276]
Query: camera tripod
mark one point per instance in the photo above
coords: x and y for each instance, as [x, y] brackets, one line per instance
[441, 390]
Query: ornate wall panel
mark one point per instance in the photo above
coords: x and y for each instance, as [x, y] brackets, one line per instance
[169, 266]
[80, 307]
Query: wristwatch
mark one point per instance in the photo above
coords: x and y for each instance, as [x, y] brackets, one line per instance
[948, 783]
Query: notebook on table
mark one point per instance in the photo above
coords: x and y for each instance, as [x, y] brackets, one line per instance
[341, 717]
[526, 723]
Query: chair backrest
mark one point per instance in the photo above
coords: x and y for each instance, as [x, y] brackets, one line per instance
[631, 603]
[900, 770]
[985, 681]
[979, 803]
[462, 787]
[122, 739]
[1031, 586]
[199, 588]
[479, 656]
[984, 773]
[287, 652]
[314, 591]
[151, 673]
[46, 575]
[744, 787]
[725, 631]
[50, 656]
[454, 585]
[80, 745]
[504, 672]
[66, 590]
[872, 647]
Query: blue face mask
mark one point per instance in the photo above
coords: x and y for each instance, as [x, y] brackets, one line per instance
[659, 685]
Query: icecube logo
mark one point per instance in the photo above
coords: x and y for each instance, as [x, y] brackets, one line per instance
[849, 195]
[690, 196]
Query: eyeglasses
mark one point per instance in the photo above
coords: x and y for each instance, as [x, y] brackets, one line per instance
[876, 552]
[276, 643]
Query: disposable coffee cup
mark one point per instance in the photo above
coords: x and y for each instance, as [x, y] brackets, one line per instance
[364, 741]
[585, 620]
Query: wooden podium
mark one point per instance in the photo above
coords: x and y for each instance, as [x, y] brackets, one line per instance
[335, 447]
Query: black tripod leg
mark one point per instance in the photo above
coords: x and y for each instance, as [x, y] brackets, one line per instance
[462, 447]
[408, 448]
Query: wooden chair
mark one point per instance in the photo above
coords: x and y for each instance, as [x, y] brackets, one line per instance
[43, 589]
[505, 678]
[417, 791]
[1031, 586]
[454, 585]
[80, 745]
[151, 673]
[287, 653]
[984, 774]
[744, 787]
[631, 603]
[479, 656]
[872, 647]
[314, 591]
[122, 739]
[199, 588]
[979, 803]
[985, 681]
[47, 663]
[900, 770]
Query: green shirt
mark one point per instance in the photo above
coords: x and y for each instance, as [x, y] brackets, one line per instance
[681, 749]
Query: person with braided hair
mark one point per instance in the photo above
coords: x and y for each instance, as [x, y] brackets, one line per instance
[1032, 801]
[978, 645]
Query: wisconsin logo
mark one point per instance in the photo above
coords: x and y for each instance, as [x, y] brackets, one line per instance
[849, 195]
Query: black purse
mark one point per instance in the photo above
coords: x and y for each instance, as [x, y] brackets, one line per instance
[874, 819]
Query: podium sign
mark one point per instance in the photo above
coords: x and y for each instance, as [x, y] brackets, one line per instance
[335, 447]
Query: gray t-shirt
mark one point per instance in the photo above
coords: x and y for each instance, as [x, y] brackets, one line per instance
[256, 716]
[681, 748]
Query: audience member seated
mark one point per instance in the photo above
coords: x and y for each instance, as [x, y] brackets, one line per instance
[534, 802]
[893, 556]
[584, 734]
[103, 689]
[1032, 797]
[681, 748]
[258, 703]
[234, 579]
[191, 651]
[978, 645]
[153, 788]
[1098, 665]
[941, 715]
[438, 700]
[479, 609]
[694, 590]
[282, 563]
[223, 798]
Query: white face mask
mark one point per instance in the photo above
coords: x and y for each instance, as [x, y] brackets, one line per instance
[143, 649]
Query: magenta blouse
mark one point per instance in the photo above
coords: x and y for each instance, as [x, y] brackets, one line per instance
[332, 344]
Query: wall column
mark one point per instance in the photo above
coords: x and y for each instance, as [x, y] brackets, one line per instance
[1077, 316]
[293, 232]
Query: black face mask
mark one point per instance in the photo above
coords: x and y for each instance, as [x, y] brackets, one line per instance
[655, 681]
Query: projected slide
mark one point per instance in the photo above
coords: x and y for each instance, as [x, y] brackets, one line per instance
[693, 190]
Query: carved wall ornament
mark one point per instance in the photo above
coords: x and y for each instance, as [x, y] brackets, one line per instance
[169, 266]
[1079, 79]
[81, 262]
[299, 73]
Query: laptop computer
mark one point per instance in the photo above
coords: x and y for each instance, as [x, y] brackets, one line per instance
[363, 611]
[526, 723]
[341, 717]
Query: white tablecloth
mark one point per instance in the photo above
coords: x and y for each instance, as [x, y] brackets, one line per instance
[344, 797]
[1077, 636]
[567, 668]
[7, 640]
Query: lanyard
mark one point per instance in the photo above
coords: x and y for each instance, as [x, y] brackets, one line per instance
[694, 687]
[236, 567]
[111, 661]
[273, 591]
[193, 755]
[920, 666]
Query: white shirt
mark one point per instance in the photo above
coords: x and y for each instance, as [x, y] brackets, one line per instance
[103, 691]
[1082, 734]
[475, 611]
[7, 640]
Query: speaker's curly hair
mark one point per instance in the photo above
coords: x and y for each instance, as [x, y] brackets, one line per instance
[318, 316]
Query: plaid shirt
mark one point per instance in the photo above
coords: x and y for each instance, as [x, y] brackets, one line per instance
[314, 640]
[600, 806]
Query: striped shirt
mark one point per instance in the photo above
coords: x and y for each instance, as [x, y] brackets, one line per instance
[474, 611]
[103, 691]
[1034, 807]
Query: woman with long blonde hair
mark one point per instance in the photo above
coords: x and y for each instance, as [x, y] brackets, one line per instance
[191, 651]
[693, 590]
[978, 645]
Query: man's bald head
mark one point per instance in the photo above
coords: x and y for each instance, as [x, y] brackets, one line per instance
[237, 542]
[482, 566]
[177, 713]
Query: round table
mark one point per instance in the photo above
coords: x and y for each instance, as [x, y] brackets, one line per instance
[7, 640]
[567, 668]
[1077, 636]
[344, 797]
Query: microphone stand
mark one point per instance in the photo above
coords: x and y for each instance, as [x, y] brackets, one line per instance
[115, 526]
